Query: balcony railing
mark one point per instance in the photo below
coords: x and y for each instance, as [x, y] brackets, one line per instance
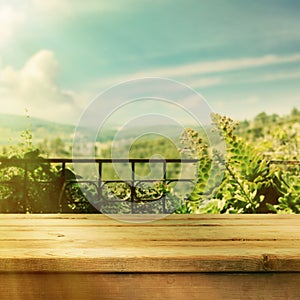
[51, 186]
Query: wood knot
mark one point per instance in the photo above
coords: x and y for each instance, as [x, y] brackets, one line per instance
[267, 262]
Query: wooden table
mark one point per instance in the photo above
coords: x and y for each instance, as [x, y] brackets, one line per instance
[176, 257]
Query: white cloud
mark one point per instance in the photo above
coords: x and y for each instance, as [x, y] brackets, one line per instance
[205, 82]
[267, 77]
[10, 20]
[184, 72]
[15, 16]
[223, 65]
[51, 8]
[104, 6]
[34, 87]
[52, 4]
[252, 100]
[82, 7]
[281, 76]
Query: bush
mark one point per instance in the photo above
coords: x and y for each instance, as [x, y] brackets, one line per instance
[248, 184]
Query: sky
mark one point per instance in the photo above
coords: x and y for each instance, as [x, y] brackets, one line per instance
[56, 56]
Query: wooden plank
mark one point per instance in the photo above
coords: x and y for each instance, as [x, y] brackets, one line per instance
[78, 261]
[68, 248]
[132, 217]
[97, 243]
[132, 220]
[153, 233]
[150, 286]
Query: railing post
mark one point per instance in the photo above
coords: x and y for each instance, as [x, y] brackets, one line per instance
[62, 205]
[99, 181]
[25, 191]
[132, 187]
[164, 181]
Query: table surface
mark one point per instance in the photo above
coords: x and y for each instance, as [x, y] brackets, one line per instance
[174, 243]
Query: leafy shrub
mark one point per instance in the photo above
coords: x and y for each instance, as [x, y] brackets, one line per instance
[248, 184]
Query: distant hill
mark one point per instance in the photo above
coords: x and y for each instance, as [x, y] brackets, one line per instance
[11, 127]
[273, 132]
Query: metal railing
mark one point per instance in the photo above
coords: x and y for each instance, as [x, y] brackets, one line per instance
[51, 186]
[61, 190]
[284, 162]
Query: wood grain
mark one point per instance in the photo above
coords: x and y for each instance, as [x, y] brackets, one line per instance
[150, 286]
[175, 257]
[175, 243]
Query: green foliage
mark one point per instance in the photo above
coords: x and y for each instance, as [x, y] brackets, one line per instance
[247, 173]
[288, 183]
[277, 137]
[248, 185]
[208, 174]
[24, 185]
[148, 198]
[55, 147]
[36, 186]
[242, 181]
[76, 196]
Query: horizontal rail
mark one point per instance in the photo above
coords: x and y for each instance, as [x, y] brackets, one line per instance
[98, 160]
[284, 162]
[123, 160]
